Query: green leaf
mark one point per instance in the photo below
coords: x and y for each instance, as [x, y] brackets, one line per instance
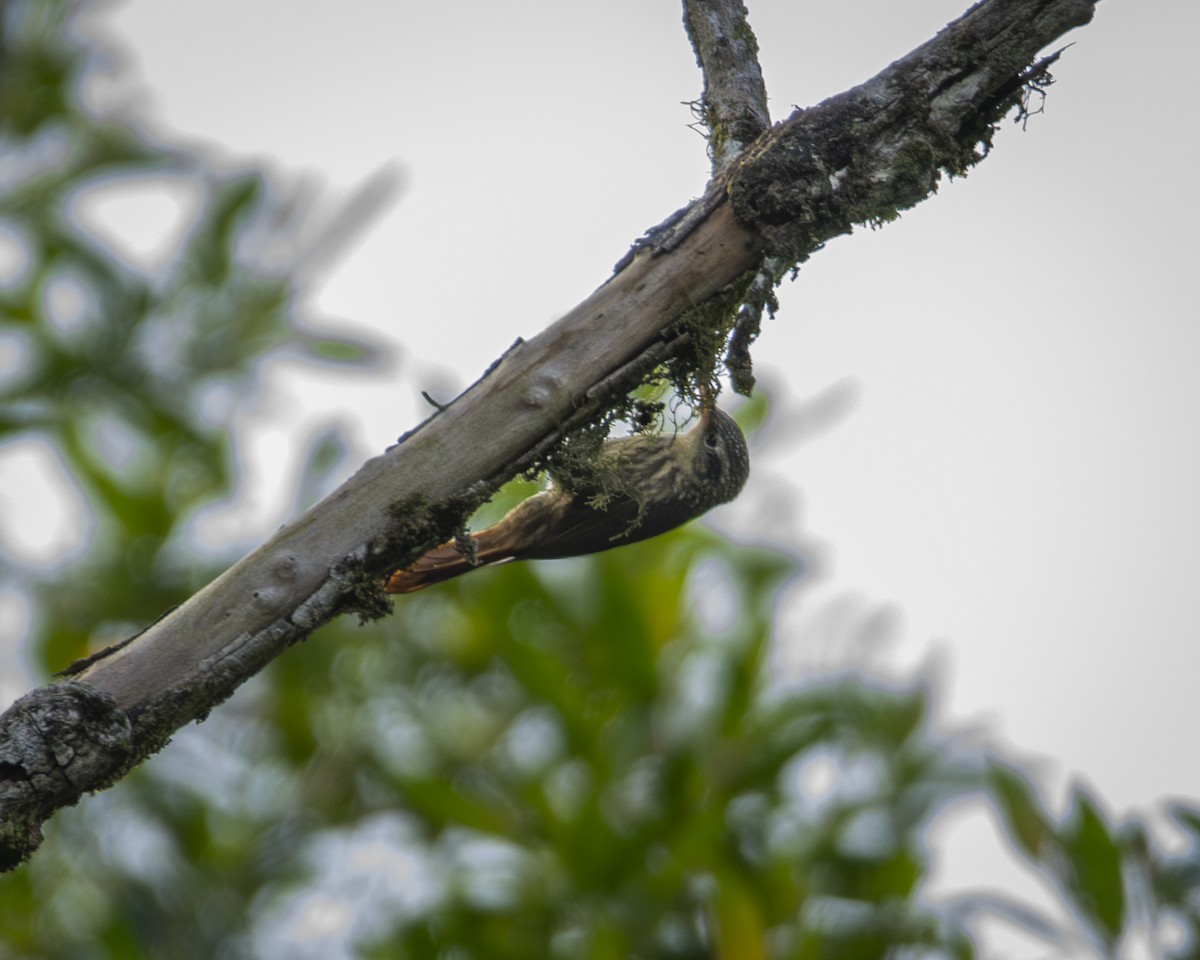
[1021, 813]
[752, 414]
[325, 453]
[1187, 815]
[212, 251]
[1094, 859]
[339, 350]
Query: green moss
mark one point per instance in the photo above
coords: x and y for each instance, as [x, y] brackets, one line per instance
[704, 331]
[687, 376]
[416, 524]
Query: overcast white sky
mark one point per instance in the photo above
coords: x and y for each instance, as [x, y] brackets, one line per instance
[1013, 473]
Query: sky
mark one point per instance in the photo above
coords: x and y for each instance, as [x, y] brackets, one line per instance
[981, 440]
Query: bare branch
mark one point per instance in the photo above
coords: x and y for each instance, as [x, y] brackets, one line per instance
[734, 104]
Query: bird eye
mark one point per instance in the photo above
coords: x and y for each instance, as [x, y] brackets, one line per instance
[711, 440]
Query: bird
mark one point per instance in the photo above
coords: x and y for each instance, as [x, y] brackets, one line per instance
[642, 485]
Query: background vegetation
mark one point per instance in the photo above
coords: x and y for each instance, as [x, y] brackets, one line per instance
[585, 759]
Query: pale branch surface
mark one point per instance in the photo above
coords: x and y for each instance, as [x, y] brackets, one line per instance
[734, 103]
[860, 157]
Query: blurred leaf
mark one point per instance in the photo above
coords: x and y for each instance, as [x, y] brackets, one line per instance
[1177, 879]
[344, 351]
[740, 931]
[326, 451]
[210, 259]
[1094, 863]
[1187, 815]
[445, 805]
[1020, 811]
[752, 414]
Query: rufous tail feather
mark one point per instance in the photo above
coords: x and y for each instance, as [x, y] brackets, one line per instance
[441, 563]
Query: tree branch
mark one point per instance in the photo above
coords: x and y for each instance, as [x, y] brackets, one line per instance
[734, 103]
[859, 157]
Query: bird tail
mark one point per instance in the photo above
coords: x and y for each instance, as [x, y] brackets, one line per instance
[440, 563]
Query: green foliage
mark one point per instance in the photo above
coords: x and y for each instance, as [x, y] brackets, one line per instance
[129, 375]
[577, 759]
